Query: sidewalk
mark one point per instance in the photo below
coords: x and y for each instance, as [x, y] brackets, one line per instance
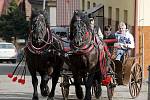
[122, 93]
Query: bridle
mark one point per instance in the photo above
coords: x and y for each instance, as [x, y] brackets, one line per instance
[37, 22]
[80, 32]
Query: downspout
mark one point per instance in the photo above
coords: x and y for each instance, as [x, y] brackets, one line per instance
[103, 18]
[137, 33]
[136, 28]
[44, 3]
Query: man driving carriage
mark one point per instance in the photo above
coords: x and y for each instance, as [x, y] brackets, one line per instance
[94, 29]
[125, 41]
[106, 57]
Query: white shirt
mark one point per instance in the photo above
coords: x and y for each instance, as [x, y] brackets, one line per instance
[99, 32]
[125, 39]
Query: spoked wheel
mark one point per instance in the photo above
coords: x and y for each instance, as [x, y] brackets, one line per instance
[135, 82]
[65, 87]
[97, 89]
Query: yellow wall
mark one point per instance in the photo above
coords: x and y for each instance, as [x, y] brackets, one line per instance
[121, 4]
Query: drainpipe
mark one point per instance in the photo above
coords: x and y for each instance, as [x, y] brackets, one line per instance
[44, 1]
[136, 31]
[136, 28]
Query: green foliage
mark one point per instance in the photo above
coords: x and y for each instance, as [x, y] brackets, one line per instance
[13, 24]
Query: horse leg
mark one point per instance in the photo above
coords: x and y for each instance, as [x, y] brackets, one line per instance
[97, 83]
[88, 85]
[55, 77]
[35, 84]
[78, 88]
[43, 86]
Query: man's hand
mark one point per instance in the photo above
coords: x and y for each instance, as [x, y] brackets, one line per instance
[125, 46]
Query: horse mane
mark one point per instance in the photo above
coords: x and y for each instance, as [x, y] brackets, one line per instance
[36, 12]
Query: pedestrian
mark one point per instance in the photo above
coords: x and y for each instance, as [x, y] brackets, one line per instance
[125, 41]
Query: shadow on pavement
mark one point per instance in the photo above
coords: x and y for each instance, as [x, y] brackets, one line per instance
[16, 96]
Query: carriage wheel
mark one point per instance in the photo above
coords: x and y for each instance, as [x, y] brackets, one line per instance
[135, 82]
[65, 87]
[97, 89]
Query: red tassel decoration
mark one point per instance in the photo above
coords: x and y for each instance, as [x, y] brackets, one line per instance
[14, 79]
[22, 81]
[19, 80]
[10, 75]
[106, 81]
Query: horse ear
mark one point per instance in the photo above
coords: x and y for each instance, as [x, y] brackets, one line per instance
[76, 11]
[34, 12]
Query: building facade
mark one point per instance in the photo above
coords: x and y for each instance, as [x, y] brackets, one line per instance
[114, 11]
[3, 6]
[65, 9]
[50, 6]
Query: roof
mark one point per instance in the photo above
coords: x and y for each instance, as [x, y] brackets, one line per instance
[37, 2]
[4, 5]
[1, 6]
[94, 9]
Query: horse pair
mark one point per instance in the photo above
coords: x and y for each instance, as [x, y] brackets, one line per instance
[45, 54]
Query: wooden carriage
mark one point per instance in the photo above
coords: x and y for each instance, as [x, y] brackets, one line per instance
[128, 72]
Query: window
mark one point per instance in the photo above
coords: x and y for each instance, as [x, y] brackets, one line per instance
[94, 4]
[83, 5]
[117, 18]
[126, 17]
[109, 15]
[88, 5]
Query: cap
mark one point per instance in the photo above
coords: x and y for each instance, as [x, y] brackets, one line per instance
[91, 16]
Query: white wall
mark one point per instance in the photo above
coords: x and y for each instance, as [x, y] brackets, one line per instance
[143, 12]
[52, 16]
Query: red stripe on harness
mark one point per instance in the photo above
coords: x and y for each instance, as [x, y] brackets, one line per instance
[110, 40]
[102, 61]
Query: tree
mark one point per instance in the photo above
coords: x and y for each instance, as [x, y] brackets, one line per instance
[13, 24]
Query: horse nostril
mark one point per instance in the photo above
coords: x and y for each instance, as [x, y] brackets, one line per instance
[78, 43]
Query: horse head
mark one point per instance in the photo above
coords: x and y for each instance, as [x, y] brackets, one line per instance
[79, 34]
[40, 32]
[38, 27]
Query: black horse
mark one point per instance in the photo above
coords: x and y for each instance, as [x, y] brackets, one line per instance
[85, 54]
[40, 57]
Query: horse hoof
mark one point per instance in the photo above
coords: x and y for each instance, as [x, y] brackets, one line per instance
[35, 98]
[45, 91]
[79, 93]
[50, 98]
[86, 99]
